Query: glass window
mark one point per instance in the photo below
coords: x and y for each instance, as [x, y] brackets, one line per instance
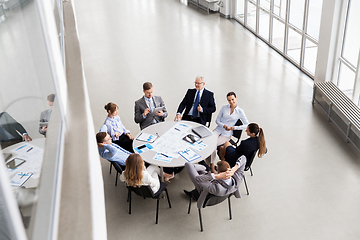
[280, 8]
[265, 4]
[310, 55]
[251, 15]
[239, 14]
[314, 17]
[264, 24]
[346, 80]
[278, 34]
[296, 14]
[351, 43]
[294, 45]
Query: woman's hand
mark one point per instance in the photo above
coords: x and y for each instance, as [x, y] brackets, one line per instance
[117, 134]
[129, 136]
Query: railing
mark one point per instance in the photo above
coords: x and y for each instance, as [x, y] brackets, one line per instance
[340, 110]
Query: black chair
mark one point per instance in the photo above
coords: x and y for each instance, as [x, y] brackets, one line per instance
[146, 192]
[119, 169]
[236, 133]
[110, 167]
[208, 120]
[210, 200]
[247, 167]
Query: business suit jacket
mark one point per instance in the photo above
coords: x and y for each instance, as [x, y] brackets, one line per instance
[44, 118]
[140, 106]
[9, 127]
[205, 183]
[207, 102]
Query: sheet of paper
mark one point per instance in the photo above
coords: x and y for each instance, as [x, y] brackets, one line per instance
[189, 154]
[171, 142]
[19, 179]
[162, 157]
[146, 137]
[199, 145]
[143, 148]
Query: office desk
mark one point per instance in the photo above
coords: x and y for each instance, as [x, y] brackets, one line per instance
[39, 142]
[163, 127]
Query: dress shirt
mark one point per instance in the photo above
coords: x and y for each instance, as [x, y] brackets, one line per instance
[191, 109]
[115, 125]
[114, 153]
[225, 118]
[150, 103]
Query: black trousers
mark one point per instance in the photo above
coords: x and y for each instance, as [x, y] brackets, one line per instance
[125, 142]
[191, 118]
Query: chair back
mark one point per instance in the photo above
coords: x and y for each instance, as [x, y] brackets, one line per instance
[212, 199]
[143, 191]
[250, 161]
[237, 133]
[118, 167]
[208, 120]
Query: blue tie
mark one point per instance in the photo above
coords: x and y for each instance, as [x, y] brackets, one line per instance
[196, 104]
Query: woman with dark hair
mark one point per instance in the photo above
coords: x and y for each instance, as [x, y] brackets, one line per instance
[136, 174]
[226, 120]
[119, 134]
[255, 141]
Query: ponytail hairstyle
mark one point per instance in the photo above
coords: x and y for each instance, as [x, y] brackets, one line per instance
[110, 107]
[254, 128]
[133, 170]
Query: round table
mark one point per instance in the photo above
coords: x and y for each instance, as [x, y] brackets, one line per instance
[163, 127]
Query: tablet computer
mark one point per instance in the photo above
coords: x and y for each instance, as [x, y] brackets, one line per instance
[16, 162]
[158, 109]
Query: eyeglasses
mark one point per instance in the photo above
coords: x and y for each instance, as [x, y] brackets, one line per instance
[198, 83]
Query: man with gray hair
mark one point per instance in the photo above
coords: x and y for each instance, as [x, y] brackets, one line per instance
[198, 103]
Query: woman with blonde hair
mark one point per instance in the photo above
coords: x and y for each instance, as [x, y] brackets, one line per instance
[117, 131]
[256, 141]
[136, 174]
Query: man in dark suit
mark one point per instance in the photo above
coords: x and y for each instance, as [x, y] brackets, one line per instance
[11, 131]
[145, 107]
[198, 103]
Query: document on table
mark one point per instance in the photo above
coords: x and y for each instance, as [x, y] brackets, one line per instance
[143, 148]
[33, 156]
[146, 137]
[170, 143]
[200, 145]
[162, 157]
[189, 154]
[19, 179]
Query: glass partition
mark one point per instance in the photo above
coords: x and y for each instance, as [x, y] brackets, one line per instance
[30, 119]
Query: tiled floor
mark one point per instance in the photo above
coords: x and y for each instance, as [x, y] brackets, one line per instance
[306, 187]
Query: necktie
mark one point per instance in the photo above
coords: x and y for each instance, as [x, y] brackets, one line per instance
[196, 104]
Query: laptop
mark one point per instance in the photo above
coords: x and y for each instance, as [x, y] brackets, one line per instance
[202, 131]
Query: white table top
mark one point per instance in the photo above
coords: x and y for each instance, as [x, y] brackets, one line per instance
[161, 128]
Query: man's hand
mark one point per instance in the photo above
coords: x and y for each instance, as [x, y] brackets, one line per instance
[177, 117]
[101, 145]
[129, 136]
[199, 108]
[223, 175]
[44, 128]
[26, 138]
[146, 112]
[159, 113]
[117, 134]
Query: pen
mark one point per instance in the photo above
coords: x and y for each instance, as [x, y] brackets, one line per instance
[22, 176]
[177, 129]
[29, 149]
[164, 155]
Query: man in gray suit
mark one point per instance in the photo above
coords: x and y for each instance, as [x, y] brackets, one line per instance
[147, 108]
[225, 182]
[45, 115]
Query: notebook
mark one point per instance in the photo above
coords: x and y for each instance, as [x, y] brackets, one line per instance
[202, 131]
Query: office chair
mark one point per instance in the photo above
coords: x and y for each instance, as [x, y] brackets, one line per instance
[146, 192]
[208, 120]
[119, 169]
[210, 200]
[236, 134]
[247, 167]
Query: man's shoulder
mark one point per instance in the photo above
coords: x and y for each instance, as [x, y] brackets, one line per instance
[208, 92]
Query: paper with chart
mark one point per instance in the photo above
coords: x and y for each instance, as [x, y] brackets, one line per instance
[162, 157]
[146, 137]
[189, 154]
[170, 143]
[199, 145]
[33, 156]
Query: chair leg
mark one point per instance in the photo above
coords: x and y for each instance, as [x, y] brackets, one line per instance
[110, 167]
[189, 205]
[229, 203]
[201, 226]
[247, 190]
[157, 210]
[129, 197]
[251, 172]
[167, 196]
[117, 176]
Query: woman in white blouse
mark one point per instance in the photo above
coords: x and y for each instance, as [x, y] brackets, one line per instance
[136, 174]
[226, 119]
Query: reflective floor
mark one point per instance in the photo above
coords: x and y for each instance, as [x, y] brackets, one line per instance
[306, 187]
